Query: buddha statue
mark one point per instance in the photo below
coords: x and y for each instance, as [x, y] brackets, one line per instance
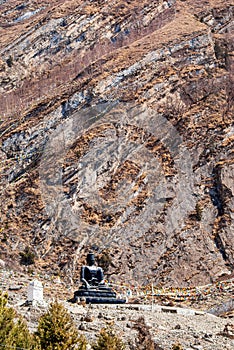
[93, 289]
[91, 275]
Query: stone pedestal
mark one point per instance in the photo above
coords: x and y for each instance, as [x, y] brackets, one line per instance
[96, 295]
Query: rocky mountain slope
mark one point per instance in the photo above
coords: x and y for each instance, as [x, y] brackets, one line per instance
[117, 136]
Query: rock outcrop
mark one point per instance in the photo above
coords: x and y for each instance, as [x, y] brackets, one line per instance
[116, 135]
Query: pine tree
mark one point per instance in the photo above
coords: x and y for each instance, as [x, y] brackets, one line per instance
[6, 318]
[56, 330]
[13, 333]
[108, 340]
[19, 337]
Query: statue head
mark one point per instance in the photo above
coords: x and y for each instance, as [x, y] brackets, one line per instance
[90, 259]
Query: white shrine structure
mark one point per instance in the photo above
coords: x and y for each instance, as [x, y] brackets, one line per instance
[35, 293]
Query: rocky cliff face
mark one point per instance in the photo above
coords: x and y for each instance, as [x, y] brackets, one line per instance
[116, 135]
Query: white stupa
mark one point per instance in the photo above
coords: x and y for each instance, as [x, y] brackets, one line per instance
[35, 293]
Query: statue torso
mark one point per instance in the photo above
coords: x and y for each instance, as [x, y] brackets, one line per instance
[92, 274]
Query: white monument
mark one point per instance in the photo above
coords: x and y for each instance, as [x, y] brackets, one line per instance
[35, 292]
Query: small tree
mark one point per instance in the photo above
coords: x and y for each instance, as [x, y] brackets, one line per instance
[144, 340]
[19, 337]
[27, 257]
[56, 330]
[14, 333]
[108, 340]
[177, 346]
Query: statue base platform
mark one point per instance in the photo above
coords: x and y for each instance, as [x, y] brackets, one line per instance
[96, 295]
[94, 300]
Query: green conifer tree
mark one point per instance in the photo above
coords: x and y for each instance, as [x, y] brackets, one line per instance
[14, 333]
[108, 340]
[19, 337]
[56, 330]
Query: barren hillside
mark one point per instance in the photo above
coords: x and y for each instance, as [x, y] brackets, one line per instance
[117, 136]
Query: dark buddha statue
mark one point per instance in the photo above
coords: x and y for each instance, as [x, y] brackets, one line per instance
[91, 275]
[93, 289]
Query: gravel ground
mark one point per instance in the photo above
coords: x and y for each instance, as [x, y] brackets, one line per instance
[199, 332]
